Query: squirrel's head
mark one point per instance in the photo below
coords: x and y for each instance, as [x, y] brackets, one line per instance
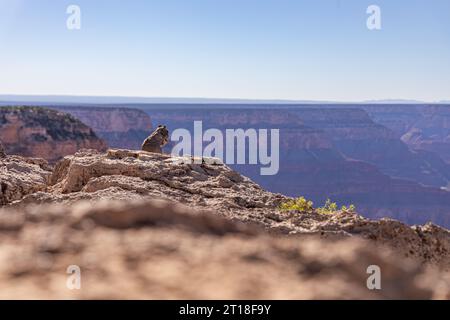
[162, 130]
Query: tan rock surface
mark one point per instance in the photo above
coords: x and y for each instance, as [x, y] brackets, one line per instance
[163, 250]
[21, 176]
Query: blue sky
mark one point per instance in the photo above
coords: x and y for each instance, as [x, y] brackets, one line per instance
[257, 49]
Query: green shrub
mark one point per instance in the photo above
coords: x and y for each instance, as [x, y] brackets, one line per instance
[331, 207]
[328, 208]
[303, 205]
[350, 208]
[299, 204]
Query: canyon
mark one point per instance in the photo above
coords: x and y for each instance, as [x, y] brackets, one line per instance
[336, 152]
[366, 155]
[422, 127]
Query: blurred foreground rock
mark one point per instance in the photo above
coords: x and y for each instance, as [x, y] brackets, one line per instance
[158, 249]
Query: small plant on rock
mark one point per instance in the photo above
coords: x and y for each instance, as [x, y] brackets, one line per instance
[298, 204]
[303, 205]
[328, 208]
[350, 208]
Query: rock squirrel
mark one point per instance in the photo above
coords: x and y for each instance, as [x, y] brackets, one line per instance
[2, 151]
[158, 139]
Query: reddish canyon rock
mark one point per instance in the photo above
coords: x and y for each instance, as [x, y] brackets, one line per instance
[44, 133]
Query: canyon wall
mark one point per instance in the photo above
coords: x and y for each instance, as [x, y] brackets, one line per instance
[422, 127]
[119, 127]
[44, 133]
[357, 136]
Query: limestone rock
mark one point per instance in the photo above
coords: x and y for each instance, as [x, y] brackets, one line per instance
[21, 176]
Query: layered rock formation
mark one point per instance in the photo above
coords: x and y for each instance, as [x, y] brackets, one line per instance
[358, 137]
[44, 133]
[119, 127]
[132, 238]
[335, 152]
[422, 127]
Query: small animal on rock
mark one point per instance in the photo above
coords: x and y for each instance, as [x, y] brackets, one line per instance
[157, 140]
[2, 151]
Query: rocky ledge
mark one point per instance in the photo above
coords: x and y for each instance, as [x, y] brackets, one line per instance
[20, 176]
[143, 225]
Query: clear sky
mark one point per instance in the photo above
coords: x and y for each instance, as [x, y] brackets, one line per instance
[257, 49]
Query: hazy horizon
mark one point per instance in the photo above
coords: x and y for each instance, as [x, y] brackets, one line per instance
[85, 99]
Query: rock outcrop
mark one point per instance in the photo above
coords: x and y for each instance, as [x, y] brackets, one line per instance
[21, 176]
[44, 133]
